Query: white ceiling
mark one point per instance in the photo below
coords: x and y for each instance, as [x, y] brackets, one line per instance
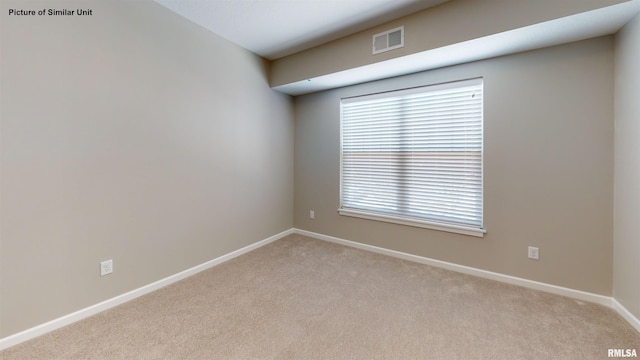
[302, 24]
[276, 28]
[590, 24]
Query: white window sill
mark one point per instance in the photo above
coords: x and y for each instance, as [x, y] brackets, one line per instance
[458, 229]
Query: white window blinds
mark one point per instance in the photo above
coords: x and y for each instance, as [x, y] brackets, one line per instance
[415, 154]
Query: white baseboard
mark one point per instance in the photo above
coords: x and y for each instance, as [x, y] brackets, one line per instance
[120, 299]
[626, 314]
[554, 289]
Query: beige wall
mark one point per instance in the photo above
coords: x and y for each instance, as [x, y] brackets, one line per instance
[626, 280]
[548, 171]
[452, 22]
[131, 135]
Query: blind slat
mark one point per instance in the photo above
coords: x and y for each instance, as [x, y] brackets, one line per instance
[415, 152]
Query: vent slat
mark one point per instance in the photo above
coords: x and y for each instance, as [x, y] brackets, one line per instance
[388, 40]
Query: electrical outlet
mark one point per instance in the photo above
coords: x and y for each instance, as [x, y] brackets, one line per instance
[533, 253]
[106, 267]
[312, 214]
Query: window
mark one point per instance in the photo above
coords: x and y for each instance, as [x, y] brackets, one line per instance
[414, 157]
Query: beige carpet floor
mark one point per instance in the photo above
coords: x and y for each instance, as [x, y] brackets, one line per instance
[300, 298]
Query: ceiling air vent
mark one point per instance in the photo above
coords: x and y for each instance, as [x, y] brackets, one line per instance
[388, 40]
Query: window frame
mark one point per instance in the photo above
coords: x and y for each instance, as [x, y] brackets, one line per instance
[408, 220]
